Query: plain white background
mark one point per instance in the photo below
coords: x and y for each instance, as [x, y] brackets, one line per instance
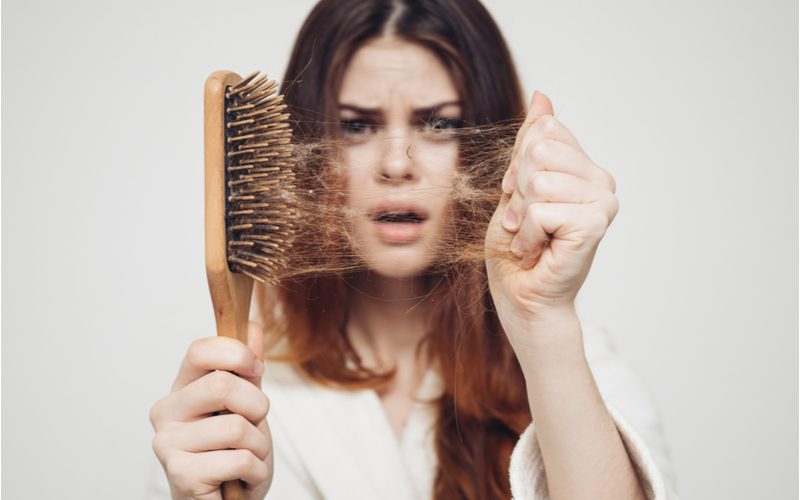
[692, 105]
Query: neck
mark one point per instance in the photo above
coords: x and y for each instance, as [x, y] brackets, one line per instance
[387, 318]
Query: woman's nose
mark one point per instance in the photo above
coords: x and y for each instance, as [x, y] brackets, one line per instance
[397, 162]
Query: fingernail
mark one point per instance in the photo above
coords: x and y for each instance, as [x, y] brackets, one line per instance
[258, 368]
[510, 219]
[516, 246]
[509, 182]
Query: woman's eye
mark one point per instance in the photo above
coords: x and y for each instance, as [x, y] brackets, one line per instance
[440, 124]
[357, 127]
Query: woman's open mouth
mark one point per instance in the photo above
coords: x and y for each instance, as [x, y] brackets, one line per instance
[399, 223]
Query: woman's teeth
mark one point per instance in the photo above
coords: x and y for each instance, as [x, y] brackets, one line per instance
[399, 217]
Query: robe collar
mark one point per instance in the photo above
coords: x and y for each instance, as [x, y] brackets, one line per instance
[346, 442]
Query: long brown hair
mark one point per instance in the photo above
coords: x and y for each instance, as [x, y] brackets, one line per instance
[483, 408]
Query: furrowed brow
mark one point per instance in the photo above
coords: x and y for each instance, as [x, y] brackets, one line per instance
[424, 112]
[434, 110]
[360, 110]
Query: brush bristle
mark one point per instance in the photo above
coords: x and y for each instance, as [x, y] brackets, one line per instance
[259, 178]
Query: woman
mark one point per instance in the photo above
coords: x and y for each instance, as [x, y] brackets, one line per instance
[409, 377]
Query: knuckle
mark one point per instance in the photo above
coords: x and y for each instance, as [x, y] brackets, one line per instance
[195, 351]
[599, 223]
[549, 124]
[237, 428]
[612, 182]
[179, 473]
[263, 447]
[614, 206]
[242, 461]
[156, 412]
[159, 447]
[538, 181]
[538, 151]
[607, 179]
[244, 358]
[263, 406]
[219, 384]
[261, 472]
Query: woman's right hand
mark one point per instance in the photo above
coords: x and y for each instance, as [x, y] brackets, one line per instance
[200, 450]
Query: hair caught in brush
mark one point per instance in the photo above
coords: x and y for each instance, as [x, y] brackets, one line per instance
[324, 243]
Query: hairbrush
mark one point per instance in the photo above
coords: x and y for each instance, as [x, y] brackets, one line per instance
[249, 185]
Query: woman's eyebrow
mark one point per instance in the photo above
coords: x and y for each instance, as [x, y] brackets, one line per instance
[359, 110]
[426, 111]
[435, 109]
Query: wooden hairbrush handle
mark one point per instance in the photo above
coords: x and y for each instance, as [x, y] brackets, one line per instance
[231, 297]
[230, 292]
[248, 192]
[233, 490]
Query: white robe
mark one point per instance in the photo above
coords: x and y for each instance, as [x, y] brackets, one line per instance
[338, 445]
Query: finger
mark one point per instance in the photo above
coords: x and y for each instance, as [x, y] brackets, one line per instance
[219, 432]
[217, 353]
[540, 105]
[514, 210]
[212, 468]
[551, 155]
[558, 187]
[255, 341]
[237, 464]
[216, 391]
[533, 160]
[561, 188]
[555, 187]
[581, 226]
[548, 127]
[498, 239]
[531, 238]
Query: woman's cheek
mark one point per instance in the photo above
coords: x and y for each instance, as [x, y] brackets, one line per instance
[437, 162]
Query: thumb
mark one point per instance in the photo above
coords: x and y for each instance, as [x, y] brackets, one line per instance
[255, 341]
[540, 106]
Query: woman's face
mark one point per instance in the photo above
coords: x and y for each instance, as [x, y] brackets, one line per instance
[398, 109]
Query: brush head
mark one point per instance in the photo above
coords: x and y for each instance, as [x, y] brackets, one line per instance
[259, 179]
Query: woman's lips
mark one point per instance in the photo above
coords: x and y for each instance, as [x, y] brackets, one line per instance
[399, 232]
[399, 221]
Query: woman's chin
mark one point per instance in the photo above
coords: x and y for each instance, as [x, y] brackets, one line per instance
[399, 265]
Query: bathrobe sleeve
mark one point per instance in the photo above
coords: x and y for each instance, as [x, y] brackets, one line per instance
[632, 410]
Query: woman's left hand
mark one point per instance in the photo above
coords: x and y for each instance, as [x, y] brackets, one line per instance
[555, 209]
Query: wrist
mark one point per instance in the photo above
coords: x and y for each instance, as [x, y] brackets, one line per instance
[557, 317]
[548, 342]
[540, 329]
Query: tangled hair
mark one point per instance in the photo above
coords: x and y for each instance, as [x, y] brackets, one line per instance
[484, 407]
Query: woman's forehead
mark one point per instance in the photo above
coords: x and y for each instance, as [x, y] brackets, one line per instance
[388, 70]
